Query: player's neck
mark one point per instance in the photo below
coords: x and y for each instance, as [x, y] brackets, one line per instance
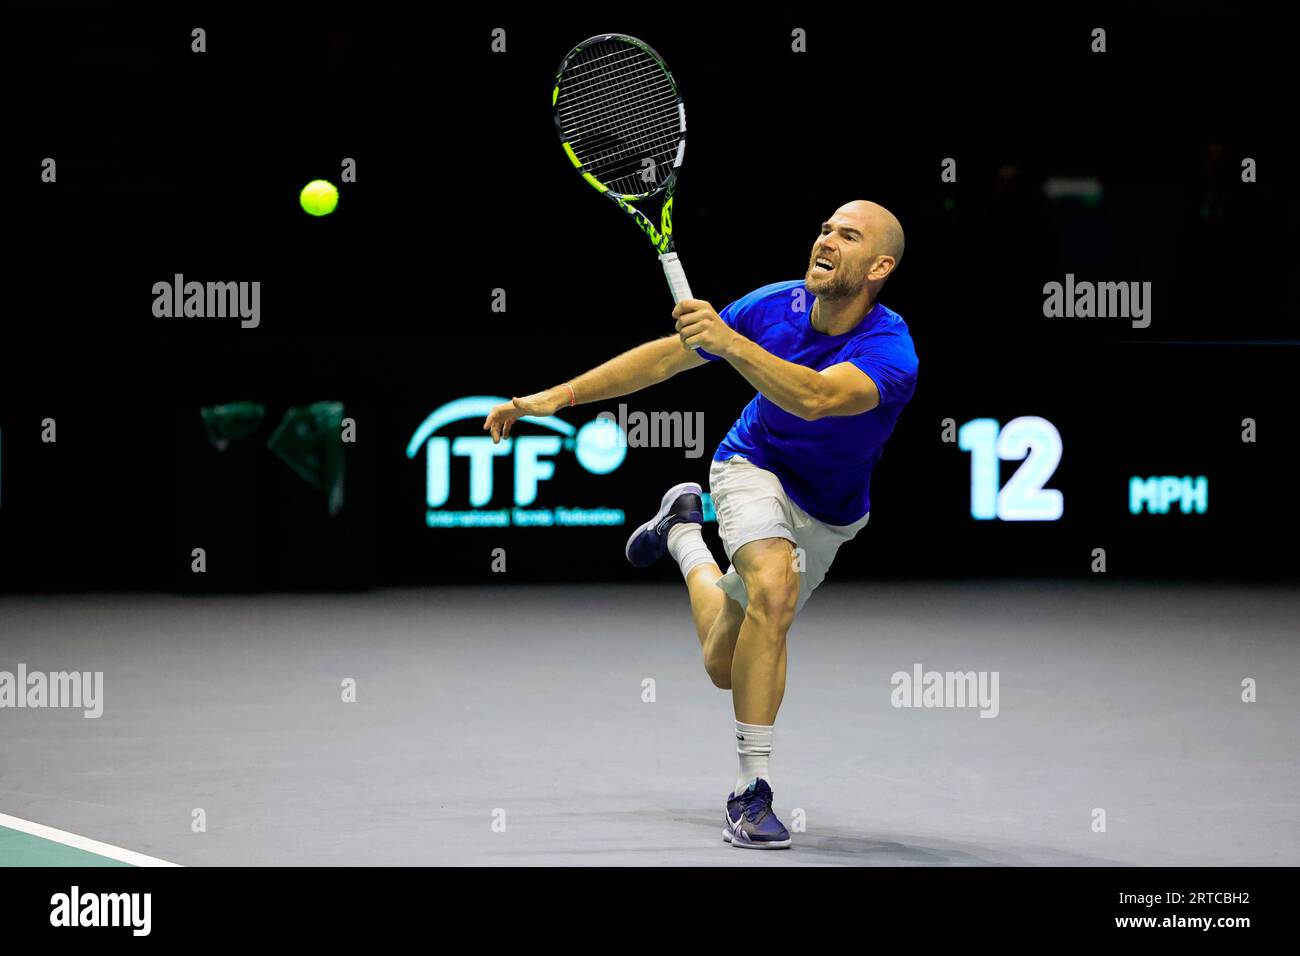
[840, 316]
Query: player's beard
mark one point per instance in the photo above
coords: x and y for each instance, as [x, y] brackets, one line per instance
[844, 283]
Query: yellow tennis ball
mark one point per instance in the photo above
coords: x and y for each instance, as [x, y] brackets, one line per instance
[319, 197]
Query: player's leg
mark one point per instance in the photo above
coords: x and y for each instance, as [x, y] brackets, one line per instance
[707, 599]
[717, 622]
[767, 567]
[676, 530]
[771, 591]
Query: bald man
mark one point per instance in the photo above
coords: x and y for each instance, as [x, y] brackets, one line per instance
[833, 369]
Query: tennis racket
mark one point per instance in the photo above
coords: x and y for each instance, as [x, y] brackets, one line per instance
[622, 124]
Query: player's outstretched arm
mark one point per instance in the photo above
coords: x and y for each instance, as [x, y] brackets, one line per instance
[638, 368]
[842, 389]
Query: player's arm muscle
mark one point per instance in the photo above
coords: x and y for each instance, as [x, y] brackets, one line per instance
[842, 389]
[648, 364]
[676, 357]
[847, 390]
[638, 368]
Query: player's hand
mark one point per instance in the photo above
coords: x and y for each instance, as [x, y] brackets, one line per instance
[701, 327]
[503, 417]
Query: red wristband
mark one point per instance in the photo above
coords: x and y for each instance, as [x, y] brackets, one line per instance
[573, 399]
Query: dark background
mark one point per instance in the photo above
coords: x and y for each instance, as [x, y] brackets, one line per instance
[170, 161]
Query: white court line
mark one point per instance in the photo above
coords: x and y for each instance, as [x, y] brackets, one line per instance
[81, 843]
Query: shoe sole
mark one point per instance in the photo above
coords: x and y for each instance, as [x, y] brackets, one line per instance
[671, 495]
[776, 845]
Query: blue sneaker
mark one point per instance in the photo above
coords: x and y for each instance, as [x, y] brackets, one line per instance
[750, 822]
[649, 542]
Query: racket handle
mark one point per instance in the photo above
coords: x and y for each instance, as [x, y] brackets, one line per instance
[676, 277]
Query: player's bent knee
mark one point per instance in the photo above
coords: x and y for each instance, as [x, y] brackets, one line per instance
[774, 601]
[771, 581]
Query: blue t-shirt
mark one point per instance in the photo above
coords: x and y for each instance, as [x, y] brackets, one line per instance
[825, 465]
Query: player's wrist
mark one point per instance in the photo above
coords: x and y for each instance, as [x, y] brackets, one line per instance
[731, 346]
[561, 397]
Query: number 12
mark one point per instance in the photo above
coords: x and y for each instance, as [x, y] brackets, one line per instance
[1023, 498]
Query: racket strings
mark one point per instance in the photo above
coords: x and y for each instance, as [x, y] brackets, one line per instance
[637, 100]
[624, 59]
[615, 153]
[617, 107]
[625, 74]
[605, 101]
[630, 71]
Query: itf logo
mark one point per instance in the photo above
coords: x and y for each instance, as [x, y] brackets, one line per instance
[599, 447]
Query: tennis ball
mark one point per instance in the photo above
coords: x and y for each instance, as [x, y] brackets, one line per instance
[319, 197]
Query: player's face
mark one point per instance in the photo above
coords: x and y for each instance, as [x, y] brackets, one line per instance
[841, 258]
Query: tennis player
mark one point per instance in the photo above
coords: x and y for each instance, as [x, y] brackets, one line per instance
[791, 481]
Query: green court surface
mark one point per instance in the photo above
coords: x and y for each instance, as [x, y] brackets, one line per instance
[23, 849]
[24, 843]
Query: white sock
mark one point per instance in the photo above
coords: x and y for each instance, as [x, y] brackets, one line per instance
[686, 545]
[754, 748]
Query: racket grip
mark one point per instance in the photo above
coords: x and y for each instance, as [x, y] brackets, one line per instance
[676, 277]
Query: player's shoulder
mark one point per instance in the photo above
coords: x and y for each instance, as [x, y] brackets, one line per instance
[889, 326]
[889, 320]
[893, 322]
[775, 293]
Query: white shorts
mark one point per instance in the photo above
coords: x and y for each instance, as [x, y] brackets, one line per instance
[751, 504]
